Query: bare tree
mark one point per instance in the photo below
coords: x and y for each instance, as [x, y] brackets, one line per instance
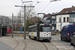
[30, 13]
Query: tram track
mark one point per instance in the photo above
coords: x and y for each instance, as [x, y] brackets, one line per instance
[41, 43]
[54, 46]
[17, 44]
[25, 45]
[45, 45]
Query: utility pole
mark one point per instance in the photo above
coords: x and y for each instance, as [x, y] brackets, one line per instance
[24, 18]
[24, 22]
[12, 25]
[1, 27]
[20, 18]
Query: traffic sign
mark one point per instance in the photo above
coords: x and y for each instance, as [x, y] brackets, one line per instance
[20, 31]
[20, 28]
[21, 35]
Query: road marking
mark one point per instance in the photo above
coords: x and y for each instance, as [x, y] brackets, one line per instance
[56, 38]
[65, 47]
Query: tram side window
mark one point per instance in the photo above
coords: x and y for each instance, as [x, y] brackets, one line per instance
[30, 29]
[34, 29]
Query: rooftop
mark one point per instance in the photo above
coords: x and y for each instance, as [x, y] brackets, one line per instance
[67, 10]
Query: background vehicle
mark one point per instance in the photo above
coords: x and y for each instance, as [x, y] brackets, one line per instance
[40, 31]
[67, 31]
[73, 39]
[8, 30]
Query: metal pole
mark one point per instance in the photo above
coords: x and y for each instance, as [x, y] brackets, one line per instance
[1, 26]
[24, 18]
[12, 25]
[20, 18]
[24, 22]
[61, 21]
[15, 27]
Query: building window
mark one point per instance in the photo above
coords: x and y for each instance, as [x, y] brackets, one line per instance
[67, 19]
[73, 11]
[53, 17]
[59, 19]
[64, 19]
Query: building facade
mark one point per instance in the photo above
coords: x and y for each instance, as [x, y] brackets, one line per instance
[52, 18]
[65, 17]
[72, 18]
[61, 20]
[4, 20]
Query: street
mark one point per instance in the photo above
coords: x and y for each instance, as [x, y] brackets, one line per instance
[37, 24]
[61, 44]
[19, 43]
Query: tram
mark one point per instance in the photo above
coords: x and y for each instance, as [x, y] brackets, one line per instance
[40, 31]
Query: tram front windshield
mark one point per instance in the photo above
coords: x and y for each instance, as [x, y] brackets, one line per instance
[45, 29]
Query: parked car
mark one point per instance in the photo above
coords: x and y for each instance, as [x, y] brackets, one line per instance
[72, 42]
[67, 31]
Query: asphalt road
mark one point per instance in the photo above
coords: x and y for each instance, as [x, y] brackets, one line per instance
[29, 44]
[4, 47]
[57, 44]
[61, 44]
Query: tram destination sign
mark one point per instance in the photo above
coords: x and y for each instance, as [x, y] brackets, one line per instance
[46, 21]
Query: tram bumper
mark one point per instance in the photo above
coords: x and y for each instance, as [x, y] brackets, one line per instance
[45, 38]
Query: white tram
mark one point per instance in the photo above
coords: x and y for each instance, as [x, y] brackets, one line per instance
[40, 31]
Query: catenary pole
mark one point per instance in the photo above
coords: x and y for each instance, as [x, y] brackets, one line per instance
[24, 22]
[12, 25]
[24, 18]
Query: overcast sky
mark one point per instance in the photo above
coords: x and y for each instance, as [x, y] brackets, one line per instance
[7, 7]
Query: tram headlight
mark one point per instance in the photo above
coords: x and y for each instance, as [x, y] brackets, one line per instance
[49, 33]
[44, 33]
[46, 24]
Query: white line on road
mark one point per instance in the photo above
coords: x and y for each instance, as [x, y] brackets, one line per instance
[65, 47]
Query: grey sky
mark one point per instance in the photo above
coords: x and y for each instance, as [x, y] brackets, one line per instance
[7, 6]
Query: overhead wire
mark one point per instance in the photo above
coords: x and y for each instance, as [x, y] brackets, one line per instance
[36, 3]
[22, 2]
[45, 7]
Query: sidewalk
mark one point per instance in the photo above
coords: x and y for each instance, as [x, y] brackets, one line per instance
[17, 43]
